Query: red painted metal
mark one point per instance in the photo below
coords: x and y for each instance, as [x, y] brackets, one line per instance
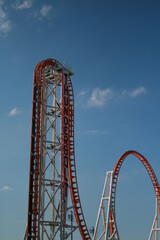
[72, 170]
[147, 166]
[32, 226]
[33, 198]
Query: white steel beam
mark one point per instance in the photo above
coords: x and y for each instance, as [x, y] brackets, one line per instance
[103, 231]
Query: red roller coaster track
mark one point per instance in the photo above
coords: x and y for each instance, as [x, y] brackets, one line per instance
[109, 229]
[116, 171]
[48, 76]
[72, 170]
[147, 166]
[35, 155]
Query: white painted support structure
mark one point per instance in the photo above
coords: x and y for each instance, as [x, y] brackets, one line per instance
[51, 216]
[106, 217]
[155, 230]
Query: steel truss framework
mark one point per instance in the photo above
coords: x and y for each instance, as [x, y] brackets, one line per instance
[109, 229]
[53, 169]
[107, 214]
[52, 157]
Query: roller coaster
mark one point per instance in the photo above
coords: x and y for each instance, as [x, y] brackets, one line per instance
[53, 178]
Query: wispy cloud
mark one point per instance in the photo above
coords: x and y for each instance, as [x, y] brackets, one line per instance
[96, 97]
[96, 132]
[2, 13]
[82, 93]
[45, 10]
[5, 26]
[81, 97]
[14, 112]
[5, 23]
[138, 91]
[6, 188]
[21, 5]
[99, 97]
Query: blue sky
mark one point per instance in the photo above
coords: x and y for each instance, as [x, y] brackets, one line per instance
[113, 47]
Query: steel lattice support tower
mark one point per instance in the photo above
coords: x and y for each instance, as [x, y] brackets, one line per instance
[52, 157]
[109, 228]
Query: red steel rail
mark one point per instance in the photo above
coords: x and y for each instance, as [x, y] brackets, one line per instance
[72, 170]
[149, 169]
[33, 197]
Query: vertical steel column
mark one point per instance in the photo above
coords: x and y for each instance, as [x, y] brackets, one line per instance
[155, 229]
[108, 219]
[53, 164]
[51, 145]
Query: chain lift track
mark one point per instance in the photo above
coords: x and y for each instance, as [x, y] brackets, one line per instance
[63, 143]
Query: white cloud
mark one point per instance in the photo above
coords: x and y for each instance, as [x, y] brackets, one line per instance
[5, 26]
[81, 97]
[26, 4]
[96, 132]
[6, 188]
[91, 132]
[138, 91]
[2, 13]
[14, 112]
[5, 23]
[99, 97]
[82, 94]
[45, 10]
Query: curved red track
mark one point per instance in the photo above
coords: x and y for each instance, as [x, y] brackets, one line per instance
[148, 168]
[72, 170]
[33, 204]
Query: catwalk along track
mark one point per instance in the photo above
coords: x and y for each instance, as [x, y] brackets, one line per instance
[52, 157]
